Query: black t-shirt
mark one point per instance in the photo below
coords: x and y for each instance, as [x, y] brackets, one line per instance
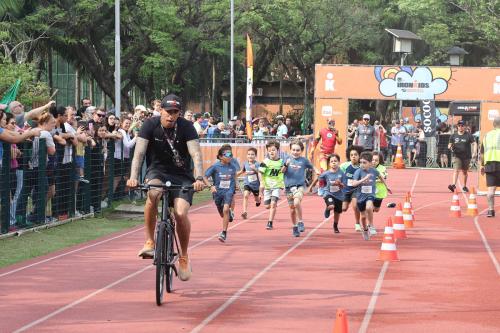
[461, 144]
[159, 155]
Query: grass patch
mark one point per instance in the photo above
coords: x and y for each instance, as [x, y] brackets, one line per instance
[35, 244]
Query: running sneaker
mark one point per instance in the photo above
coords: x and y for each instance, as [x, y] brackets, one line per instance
[184, 270]
[231, 215]
[223, 236]
[327, 213]
[301, 226]
[366, 235]
[295, 231]
[465, 189]
[372, 230]
[269, 225]
[336, 228]
[81, 179]
[147, 250]
[391, 205]
[244, 215]
[491, 213]
[257, 203]
[452, 187]
[357, 227]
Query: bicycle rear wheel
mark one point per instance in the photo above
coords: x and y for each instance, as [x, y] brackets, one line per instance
[169, 271]
[160, 261]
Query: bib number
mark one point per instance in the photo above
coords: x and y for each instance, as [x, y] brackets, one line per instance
[252, 178]
[349, 182]
[366, 189]
[334, 188]
[225, 184]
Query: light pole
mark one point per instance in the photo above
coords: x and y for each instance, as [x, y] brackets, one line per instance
[117, 60]
[231, 107]
[402, 44]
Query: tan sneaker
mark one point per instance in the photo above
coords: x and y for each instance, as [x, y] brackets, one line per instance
[184, 268]
[148, 249]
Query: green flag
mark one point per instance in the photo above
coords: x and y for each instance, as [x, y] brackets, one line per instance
[10, 95]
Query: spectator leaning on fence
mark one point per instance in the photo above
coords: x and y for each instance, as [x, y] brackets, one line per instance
[17, 108]
[461, 145]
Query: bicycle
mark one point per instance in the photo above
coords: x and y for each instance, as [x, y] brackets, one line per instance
[165, 255]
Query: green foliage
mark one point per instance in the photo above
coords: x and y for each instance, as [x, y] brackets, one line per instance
[31, 90]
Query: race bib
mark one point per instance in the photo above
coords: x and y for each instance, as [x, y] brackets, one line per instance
[224, 184]
[366, 189]
[334, 188]
[252, 178]
[349, 182]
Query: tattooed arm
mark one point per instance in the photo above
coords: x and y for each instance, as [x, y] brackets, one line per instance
[141, 147]
[195, 152]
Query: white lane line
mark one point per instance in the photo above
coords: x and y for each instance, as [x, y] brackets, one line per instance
[483, 237]
[373, 300]
[247, 286]
[80, 249]
[487, 245]
[111, 285]
[414, 183]
[380, 280]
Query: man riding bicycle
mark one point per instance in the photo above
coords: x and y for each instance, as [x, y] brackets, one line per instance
[170, 144]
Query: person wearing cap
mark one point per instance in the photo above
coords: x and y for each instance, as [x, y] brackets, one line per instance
[365, 134]
[329, 137]
[171, 147]
[490, 163]
[282, 130]
[461, 144]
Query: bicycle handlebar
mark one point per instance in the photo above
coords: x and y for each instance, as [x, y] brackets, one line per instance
[166, 187]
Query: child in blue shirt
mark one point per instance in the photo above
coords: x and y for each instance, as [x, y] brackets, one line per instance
[364, 180]
[332, 190]
[223, 174]
[295, 178]
[252, 180]
[349, 190]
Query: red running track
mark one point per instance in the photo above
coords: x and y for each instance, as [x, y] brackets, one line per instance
[269, 281]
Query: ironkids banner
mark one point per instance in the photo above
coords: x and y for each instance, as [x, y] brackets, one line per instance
[428, 117]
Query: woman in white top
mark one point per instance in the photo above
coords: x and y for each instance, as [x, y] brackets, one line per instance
[122, 152]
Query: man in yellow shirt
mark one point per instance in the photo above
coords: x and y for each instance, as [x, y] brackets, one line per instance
[490, 163]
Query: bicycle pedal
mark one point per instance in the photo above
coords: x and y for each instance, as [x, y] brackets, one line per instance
[147, 256]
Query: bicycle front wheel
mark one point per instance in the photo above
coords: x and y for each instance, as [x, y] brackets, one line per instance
[169, 271]
[160, 261]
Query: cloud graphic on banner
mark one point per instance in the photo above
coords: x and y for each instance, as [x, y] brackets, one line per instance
[416, 86]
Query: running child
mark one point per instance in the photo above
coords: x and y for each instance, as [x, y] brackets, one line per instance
[272, 180]
[365, 179]
[350, 193]
[295, 178]
[252, 180]
[332, 191]
[237, 166]
[381, 189]
[223, 174]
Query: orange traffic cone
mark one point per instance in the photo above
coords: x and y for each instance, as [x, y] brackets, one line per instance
[388, 251]
[341, 322]
[398, 161]
[455, 206]
[472, 204]
[399, 224]
[407, 215]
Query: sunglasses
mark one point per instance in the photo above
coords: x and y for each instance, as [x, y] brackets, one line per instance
[460, 125]
[101, 115]
[227, 154]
